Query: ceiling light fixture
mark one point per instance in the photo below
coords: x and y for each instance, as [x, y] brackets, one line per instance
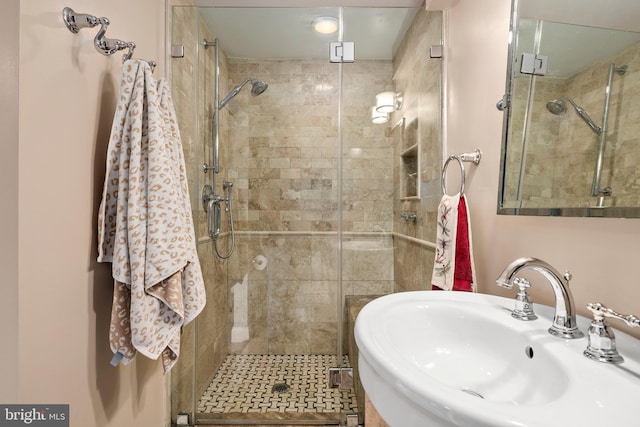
[325, 25]
[388, 102]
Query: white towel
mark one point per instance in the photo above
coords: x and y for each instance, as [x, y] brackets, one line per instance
[145, 223]
[454, 266]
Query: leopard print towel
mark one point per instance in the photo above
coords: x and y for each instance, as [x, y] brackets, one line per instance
[145, 226]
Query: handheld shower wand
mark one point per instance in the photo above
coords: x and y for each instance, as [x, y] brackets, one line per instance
[257, 88]
[559, 107]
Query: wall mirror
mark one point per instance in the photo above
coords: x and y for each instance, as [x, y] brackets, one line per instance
[571, 134]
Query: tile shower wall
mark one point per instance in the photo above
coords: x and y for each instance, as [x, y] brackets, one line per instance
[419, 79]
[562, 150]
[192, 80]
[282, 155]
[292, 303]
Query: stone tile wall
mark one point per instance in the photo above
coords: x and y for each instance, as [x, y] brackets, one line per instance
[281, 152]
[419, 78]
[192, 79]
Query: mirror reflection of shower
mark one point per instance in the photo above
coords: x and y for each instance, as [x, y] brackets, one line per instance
[211, 201]
[559, 107]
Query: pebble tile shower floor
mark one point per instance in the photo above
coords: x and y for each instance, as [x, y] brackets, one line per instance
[244, 387]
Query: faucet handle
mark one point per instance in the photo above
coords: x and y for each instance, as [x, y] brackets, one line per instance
[600, 311]
[602, 341]
[523, 309]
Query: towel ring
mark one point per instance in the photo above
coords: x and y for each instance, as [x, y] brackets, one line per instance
[473, 157]
[444, 174]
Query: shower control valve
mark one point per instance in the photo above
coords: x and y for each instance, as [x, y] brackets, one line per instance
[208, 195]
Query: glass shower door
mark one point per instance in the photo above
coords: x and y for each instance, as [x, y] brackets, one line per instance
[311, 200]
[263, 347]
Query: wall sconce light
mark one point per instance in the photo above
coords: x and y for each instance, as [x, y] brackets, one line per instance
[388, 102]
[377, 117]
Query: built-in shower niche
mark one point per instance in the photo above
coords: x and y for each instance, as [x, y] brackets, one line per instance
[409, 172]
[410, 161]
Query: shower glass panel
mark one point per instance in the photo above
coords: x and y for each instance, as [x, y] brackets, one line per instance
[312, 203]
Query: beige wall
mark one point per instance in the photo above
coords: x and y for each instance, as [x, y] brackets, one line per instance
[67, 93]
[9, 31]
[599, 252]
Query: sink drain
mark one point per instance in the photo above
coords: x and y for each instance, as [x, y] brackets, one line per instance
[473, 393]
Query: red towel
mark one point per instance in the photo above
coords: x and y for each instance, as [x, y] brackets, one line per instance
[463, 275]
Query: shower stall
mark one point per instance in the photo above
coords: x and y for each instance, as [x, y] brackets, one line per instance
[294, 193]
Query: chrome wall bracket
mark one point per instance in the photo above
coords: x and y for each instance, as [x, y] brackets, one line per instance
[342, 51]
[341, 378]
[77, 21]
[503, 104]
[104, 45]
[534, 64]
[177, 51]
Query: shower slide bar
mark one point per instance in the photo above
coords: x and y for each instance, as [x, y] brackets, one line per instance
[106, 46]
[473, 157]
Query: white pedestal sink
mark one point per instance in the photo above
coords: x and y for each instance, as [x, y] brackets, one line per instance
[430, 358]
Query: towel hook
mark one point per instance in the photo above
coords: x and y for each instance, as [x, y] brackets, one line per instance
[106, 46]
[473, 157]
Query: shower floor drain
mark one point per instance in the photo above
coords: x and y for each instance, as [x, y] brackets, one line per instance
[280, 388]
[473, 393]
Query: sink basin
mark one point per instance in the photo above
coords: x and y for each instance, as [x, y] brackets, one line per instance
[459, 359]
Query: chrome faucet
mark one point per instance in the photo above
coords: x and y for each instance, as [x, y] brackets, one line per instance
[564, 321]
[602, 342]
[409, 216]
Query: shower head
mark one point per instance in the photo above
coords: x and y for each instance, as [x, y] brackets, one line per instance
[559, 107]
[257, 87]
